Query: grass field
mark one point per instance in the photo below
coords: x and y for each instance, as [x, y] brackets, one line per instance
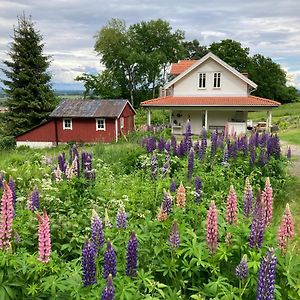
[291, 136]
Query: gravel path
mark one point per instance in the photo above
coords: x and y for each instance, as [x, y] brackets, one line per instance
[295, 166]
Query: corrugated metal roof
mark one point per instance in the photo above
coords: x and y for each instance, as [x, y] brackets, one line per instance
[89, 108]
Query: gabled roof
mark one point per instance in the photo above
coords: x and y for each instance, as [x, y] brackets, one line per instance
[218, 60]
[90, 108]
[181, 66]
[247, 101]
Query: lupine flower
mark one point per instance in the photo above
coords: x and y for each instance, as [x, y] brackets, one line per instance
[203, 144]
[6, 217]
[225, 157]
[212, 228]
[75, 166]
[262, 159]
[188, 136]
[121, 217]
[150, 144]
[242, 271]
[167, 202]
[109, 291]
[161, 215]
[191, 164]
[161, 145]
[12, 186]
[69, 172]
[252, 156]
[33, 202]
[228, 238]
[107, 222]
[285, 230]
[166, 166]
[109, 261]
[1, 180]
[62, 162]
[266, 277]
[231, 209]
[248, 199]
[258, 224]
[173, 144]
[267, 200]
[289, 153]
[174, 236]
[213, 147]
[57, 174]
[180, 199]
[97, 231]
[198, 189]
[154, 166]
[173, 186]
[44, 237]
[132, 253]
[88, 264]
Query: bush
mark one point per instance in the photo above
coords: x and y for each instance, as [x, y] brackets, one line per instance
[7, 142]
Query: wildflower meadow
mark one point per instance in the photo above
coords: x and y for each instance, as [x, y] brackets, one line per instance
[159, 218]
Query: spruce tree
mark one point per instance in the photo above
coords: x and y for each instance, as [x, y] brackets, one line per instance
[30, 96]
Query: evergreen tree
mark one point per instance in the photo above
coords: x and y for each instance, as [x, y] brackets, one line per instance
[30, 96]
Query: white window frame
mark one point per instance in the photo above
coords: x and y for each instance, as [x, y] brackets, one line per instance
[64, 124]
[201, 80]
[217, 80]
[100, 128]
[122, 122]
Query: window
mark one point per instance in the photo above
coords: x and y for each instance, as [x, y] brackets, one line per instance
[67, 124]
[100, 124]
[122, 122]
[217, 80]
[202, 79]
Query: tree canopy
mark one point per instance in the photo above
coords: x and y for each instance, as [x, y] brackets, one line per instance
[30, 97]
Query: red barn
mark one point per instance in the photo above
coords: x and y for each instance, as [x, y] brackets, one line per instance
[87, 121]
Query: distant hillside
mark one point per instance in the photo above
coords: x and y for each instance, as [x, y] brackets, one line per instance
[68, 92]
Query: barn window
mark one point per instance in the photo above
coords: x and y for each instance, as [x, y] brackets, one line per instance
[217, 80]
[67, 124]
[122, 122]
[100, 124]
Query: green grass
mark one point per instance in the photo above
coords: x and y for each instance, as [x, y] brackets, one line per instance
[291, 136]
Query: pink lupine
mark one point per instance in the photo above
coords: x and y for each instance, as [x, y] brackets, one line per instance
[69, 172]
[267, 200]
[6, 217]
[231, 209]
[212, 228]
[57, 174]
[180, 199]
[44, 237]
[285, 230]
[161, 215]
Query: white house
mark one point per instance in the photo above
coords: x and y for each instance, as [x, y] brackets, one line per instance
[211, 94]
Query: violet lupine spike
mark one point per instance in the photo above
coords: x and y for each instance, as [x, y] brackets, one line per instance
[252, 156]
[258, 224]
[231, 209]
[173, 186]
[1, 180]
[266, 276]
[6, 217]
[203, 145]
[88, 264]
[109, 261]
[285, 230]
[267, 200]
[121, 219]
[161, 145]
[167, 202]
[44, 237]
[188, 136]
[109, 290]
[154, 167]
[12, 185]
[198, 189]
[174, 144]
[262, 159]
[97, 231]
[248, 199]
[34, 200]
[174, 239]
[150, 144]
[132, 256]
[197, 147]
[190, 164]
[213, 147]
[289, 153]
[212, 228]
[242, 270]
[166, 166]
[168, 147]
[62, 162]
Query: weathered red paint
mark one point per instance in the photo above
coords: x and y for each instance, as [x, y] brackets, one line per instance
[83, 130]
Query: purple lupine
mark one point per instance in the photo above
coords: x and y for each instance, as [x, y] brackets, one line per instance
[174, 239]
[276, 147]
[166, 166]
[167, 203]
[1, 180]
[174, 144]
[188, 137]
[203, 143]
[252, 156]
[191, 164]
[62, 162]
[248, 199]
[168, 147]
[88, 264]
[109, 290]
[150, 144]
[34, 200]
[197, 148]
[225, 157]
[132, 254]
[97, 231]
[213, 147]
[242, 270]
[266, 277]
[83, 159]
[161, 145]
[262, 159]
[173, 186]
[154, 166]
[109, 261]
[220, 141]
[289, 153]
[244, 145]
[258, 224]
[198, 189]
[12, 186]
[121, 219]
[181, 149]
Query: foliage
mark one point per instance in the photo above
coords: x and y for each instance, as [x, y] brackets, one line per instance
[193, 49]
[30, 97]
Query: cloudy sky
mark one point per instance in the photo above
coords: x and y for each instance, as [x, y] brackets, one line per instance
[269, 27]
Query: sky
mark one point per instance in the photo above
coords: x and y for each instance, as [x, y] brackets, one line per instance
[68, 27]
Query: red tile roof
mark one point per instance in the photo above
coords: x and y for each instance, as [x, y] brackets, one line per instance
[182, 65]
[210, 101]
